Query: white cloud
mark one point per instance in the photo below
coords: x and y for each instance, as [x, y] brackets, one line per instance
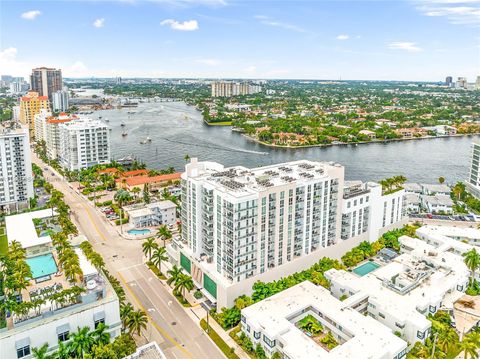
[208, 62]
[10, 65]
[190, 25]
[99, 22]
[266, 20]
[9, 54]
[31, 15]
[404, 46]
[250, 70]
[343, 37]
[78, 69]
[455, 11]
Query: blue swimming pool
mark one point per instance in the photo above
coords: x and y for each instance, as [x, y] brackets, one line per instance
[42, 266]
[137, 232]
[366, 268]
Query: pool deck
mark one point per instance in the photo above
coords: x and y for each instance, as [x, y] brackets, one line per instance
[126, 235]
[373, 262]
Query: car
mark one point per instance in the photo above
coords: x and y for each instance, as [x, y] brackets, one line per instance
[429, 216]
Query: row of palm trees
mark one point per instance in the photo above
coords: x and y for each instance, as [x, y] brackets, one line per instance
[472, 261]
[67, 258]
[392, 183]
[79, 344]
[133, 321]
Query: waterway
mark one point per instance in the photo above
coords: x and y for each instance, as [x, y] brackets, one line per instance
[177, 129]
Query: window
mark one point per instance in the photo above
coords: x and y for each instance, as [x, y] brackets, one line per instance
[270, 343]
[420, 335]
[432, 309]
[23, 352]
[381, 315]
[62, 337]
[256, 335]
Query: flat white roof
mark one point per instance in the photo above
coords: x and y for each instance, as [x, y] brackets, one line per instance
[364, 334]
[20, 228]
[450, 231]
[87, 268]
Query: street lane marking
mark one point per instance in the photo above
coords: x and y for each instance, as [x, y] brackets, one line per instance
[160, 329]
[94, 224]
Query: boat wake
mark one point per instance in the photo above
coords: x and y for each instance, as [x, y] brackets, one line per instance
[228, 149]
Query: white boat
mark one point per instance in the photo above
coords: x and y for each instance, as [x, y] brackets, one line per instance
[148, 139]
[125, 133]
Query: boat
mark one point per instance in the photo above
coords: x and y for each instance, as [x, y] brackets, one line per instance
[149, 139]
[125, 133]
[122, 124]
[143, 142]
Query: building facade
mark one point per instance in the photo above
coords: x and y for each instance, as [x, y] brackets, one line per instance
[16, 184]
[83, 143]
[60, 100]
[229, 89]
[240, 225]
[46, 81]
[473, 181]
[31, 105]
[52, 137]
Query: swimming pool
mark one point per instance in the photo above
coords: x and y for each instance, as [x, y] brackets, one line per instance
[42, 266]
[366, 268]
[139, 231]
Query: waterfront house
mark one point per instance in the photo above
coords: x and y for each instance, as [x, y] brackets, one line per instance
[152, 214]
[438, 203]
[153, 182]
[368, 133]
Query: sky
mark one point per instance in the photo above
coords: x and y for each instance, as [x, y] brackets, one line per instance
[411, 40]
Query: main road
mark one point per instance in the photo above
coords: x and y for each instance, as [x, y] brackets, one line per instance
[177, 333]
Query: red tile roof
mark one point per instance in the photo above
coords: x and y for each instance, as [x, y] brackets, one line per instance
[141, 180]
[134, 173]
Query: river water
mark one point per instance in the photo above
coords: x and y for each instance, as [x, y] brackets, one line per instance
[177, 129]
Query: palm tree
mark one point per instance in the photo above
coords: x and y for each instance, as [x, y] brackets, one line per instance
[184, 282]
[63, 351]
[472, 261]
[174, 273]
[447, 340]
[164, 233]
[41, 353]
[470, 345]
[159, 255]
[148, 246]
[136, 191]
[122, 196]
[81, 342]
[125, 311]
[137, 320]
[146, 193]
[186, 158]
[101, 335]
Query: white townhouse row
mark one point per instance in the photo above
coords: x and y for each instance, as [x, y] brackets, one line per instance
[240, 225]
[273, 323]
[426, 277]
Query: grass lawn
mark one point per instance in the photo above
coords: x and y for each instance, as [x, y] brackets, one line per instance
[222, 123]
[219, 341]
[3, 244]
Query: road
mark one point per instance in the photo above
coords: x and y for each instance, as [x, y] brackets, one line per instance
[175, 331]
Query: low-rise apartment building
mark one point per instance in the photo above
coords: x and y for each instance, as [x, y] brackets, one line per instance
[438, 203]
[152, 214]
[273, 324]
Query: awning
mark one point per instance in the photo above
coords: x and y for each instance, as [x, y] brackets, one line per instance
[98, 316]
[22, 343]
[63, 328]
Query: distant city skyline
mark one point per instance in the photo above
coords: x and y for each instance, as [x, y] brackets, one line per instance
[411, 40]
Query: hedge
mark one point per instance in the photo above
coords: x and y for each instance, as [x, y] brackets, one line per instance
[219, 341]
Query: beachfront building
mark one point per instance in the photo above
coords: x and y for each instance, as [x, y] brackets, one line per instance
[438, 203]
[273, 323]
[401, 293]
[16, 184]
[152, 214]
[40, 125]
[46, 81]
[473, 180]
[59, 314]
[83, 143]
[240, 225]
[30, 105]
[52, 131]
[413, 202]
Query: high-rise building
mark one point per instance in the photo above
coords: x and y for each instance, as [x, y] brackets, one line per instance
[477, 83]
[241, 225]
[229, 89]
[30, 105]
[40, 125]
[52, 130]
[473, 180]
[46, 81]
[449, 81]
[60, 100]
[16, 183]
[461, 83]
[83, 143]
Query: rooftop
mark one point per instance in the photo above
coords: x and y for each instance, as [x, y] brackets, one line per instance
[240, 181]
[148, 351]
[439, 200]
[141, 180]
[20, 228]
[277, 315]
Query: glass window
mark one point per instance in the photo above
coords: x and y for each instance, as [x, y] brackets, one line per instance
[63, 336]
[23, 352]
[98, 321]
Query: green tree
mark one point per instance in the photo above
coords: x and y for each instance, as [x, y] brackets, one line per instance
[159, 255]
[441, 180]
[102, 337]
[81, 342]
[174, 274]
[184, 282]
[136, 322]
[260, 352]
[125, 311]
[41, 353]
[122, 197]
[146, 193]
[148, 246]
[472, 261]
[164, 233]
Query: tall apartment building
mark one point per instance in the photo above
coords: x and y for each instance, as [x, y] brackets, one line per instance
[449, 81]
[461, 83]
[30, 105]
[473, 180]
[83, 143]
[52, 138]
[16, 182]
[477, 83]
[46, 81]
[241, 225]
[40, 125]
[60, 100]
[229, 89]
